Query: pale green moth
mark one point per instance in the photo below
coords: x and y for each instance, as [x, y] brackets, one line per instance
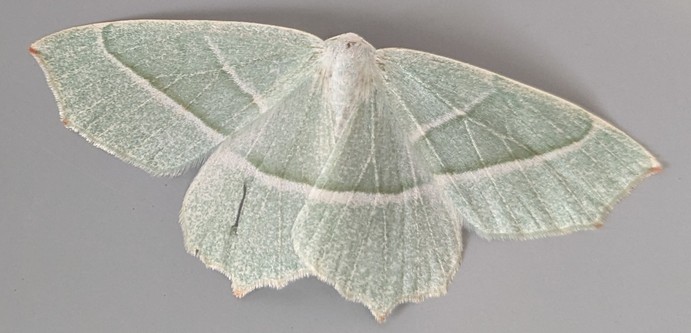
[333, 159]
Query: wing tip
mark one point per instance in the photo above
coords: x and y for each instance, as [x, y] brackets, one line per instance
[655, 169]
[240, 293]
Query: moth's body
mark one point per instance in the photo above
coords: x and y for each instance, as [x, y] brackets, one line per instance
[333, 159]
[348, 75]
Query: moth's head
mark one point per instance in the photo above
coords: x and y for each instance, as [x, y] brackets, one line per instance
[349, 60]
[349, 43]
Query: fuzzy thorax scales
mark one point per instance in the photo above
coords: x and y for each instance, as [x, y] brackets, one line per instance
[349, 76]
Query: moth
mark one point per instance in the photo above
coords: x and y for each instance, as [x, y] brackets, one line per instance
[333, 159]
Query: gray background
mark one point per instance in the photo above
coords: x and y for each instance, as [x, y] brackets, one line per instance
[89, 243]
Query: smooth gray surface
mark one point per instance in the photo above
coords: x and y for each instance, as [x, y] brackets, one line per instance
[89, 243]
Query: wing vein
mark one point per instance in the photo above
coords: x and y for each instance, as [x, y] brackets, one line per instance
[243, 85]
[448, 177]
[489, 175]
[158, 95]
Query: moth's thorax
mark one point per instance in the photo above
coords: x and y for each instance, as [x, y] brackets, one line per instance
[348, 76]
